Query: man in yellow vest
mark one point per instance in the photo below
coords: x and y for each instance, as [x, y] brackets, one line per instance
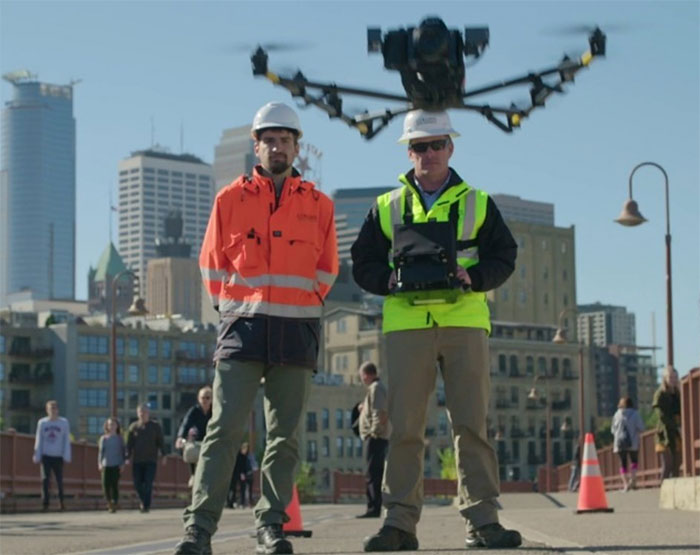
[436, 326]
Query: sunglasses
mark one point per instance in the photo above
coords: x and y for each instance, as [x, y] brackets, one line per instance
[435, 145]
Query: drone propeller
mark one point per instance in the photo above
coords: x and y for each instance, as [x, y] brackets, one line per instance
[286, 46]
[584, 29]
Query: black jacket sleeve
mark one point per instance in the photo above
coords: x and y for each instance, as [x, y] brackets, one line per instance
[370, 256]
[497, 252]
[187, 423]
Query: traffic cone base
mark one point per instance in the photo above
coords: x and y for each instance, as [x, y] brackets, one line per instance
[295, 527]
[591, 498]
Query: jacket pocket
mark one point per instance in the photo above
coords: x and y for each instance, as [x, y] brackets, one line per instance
[244, 251]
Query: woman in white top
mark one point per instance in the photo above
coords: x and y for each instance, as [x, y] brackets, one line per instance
[626, 427]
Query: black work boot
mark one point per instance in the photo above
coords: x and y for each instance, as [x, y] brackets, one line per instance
[271, 540]
[493, 536]
[390, 538]
[197, 541]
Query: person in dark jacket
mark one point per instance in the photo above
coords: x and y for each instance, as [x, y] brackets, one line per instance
[241, 480]
[193, 427]
[143, 443]
[269, 258]
[667, 404]
[443, 322]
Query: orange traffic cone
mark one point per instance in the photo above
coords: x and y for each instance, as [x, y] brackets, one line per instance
[295, 527]
[591, 497]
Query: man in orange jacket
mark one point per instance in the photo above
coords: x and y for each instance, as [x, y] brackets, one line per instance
[269, 258]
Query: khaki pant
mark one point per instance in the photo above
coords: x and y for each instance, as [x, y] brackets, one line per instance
[464, 362]
[235, 385]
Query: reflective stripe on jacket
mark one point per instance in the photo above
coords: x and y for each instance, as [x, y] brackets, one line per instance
[259, 257]
[470, 309]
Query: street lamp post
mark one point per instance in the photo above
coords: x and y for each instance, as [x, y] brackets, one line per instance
[137, 308]
[630, 216]
[548, 424]
[560, 338]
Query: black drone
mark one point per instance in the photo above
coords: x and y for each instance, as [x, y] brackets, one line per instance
[430, 59]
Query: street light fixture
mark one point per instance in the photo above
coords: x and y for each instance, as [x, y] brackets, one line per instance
[559, 339]
[630, 216]
[137, 308]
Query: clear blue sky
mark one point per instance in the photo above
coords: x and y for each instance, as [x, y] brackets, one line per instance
[174, 62]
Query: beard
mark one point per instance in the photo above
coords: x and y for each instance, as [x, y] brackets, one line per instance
[279, 165]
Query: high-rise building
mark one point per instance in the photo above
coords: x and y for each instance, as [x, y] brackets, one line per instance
[233, 155]
[602, 325]
[37, 190]
[152, 184]
[172, 279]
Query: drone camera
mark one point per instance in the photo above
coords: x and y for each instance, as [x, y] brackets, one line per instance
[374, 39]
[476, 39]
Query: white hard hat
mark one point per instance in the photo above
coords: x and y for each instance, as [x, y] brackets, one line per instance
[421, 123]
[276, 114]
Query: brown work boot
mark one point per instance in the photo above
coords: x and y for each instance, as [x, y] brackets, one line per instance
[390, 538]
[493, 536]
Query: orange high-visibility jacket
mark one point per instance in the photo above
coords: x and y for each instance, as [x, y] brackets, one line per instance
[263, 257]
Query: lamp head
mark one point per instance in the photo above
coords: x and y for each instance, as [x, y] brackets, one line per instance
[533, 394]
[559, 336]
[630, 215]
[138, 307]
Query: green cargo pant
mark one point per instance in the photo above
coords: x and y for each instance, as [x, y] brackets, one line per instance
[236, 383]
[464, 362]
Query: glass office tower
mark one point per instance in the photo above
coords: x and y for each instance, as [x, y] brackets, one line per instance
[37, 190]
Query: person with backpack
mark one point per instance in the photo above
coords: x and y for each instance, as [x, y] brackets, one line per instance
[626, 426]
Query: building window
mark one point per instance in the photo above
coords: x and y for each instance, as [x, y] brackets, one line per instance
[564, 275]
[92, 344]
[153, 401]
[133, 347]
[166, 376]
[358, 447]
[166, 401]
[348, 419]
[542, 366]
[165, 348]
[133, 373]
[152, 348]
[514, 395]
[555, 367]
[529, 365]
[92, 371]
[94, 425]
[325, 419]
[152, 374]
[120, 346]
[2, 371]
[340, 326]
[339, 446]
[545, 299]
[2, 344]
[311, 425]
[120, 373]
[502, 364]
[339, 419]
[133, 399]
[522, 297]
[348, 446]
[513, 365]
[566, 300]
[92, 397]
[523, 272]
[326, 446]
[311, 454]
[442, 423]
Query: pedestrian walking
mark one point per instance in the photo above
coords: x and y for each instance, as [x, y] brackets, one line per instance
[432, 248]
[193, 428]
[667, 404]
[110, 460]
[242, 476]
[52, 449]
[626, 426]
[268, 259]
[575, 476]
[144, 443]
[374, 431]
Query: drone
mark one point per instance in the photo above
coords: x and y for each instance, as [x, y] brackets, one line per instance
[431, 61]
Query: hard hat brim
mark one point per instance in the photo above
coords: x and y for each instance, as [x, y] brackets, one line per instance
[406, 137]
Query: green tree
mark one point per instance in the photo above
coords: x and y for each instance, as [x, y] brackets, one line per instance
[306, 483]
[448, 463]
[603, 435]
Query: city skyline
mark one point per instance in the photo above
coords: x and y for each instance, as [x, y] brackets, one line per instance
[638, 104]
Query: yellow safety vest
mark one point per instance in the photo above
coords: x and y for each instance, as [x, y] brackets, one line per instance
[470, 309]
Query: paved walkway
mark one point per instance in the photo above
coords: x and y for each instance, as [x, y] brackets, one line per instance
[548, 525]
